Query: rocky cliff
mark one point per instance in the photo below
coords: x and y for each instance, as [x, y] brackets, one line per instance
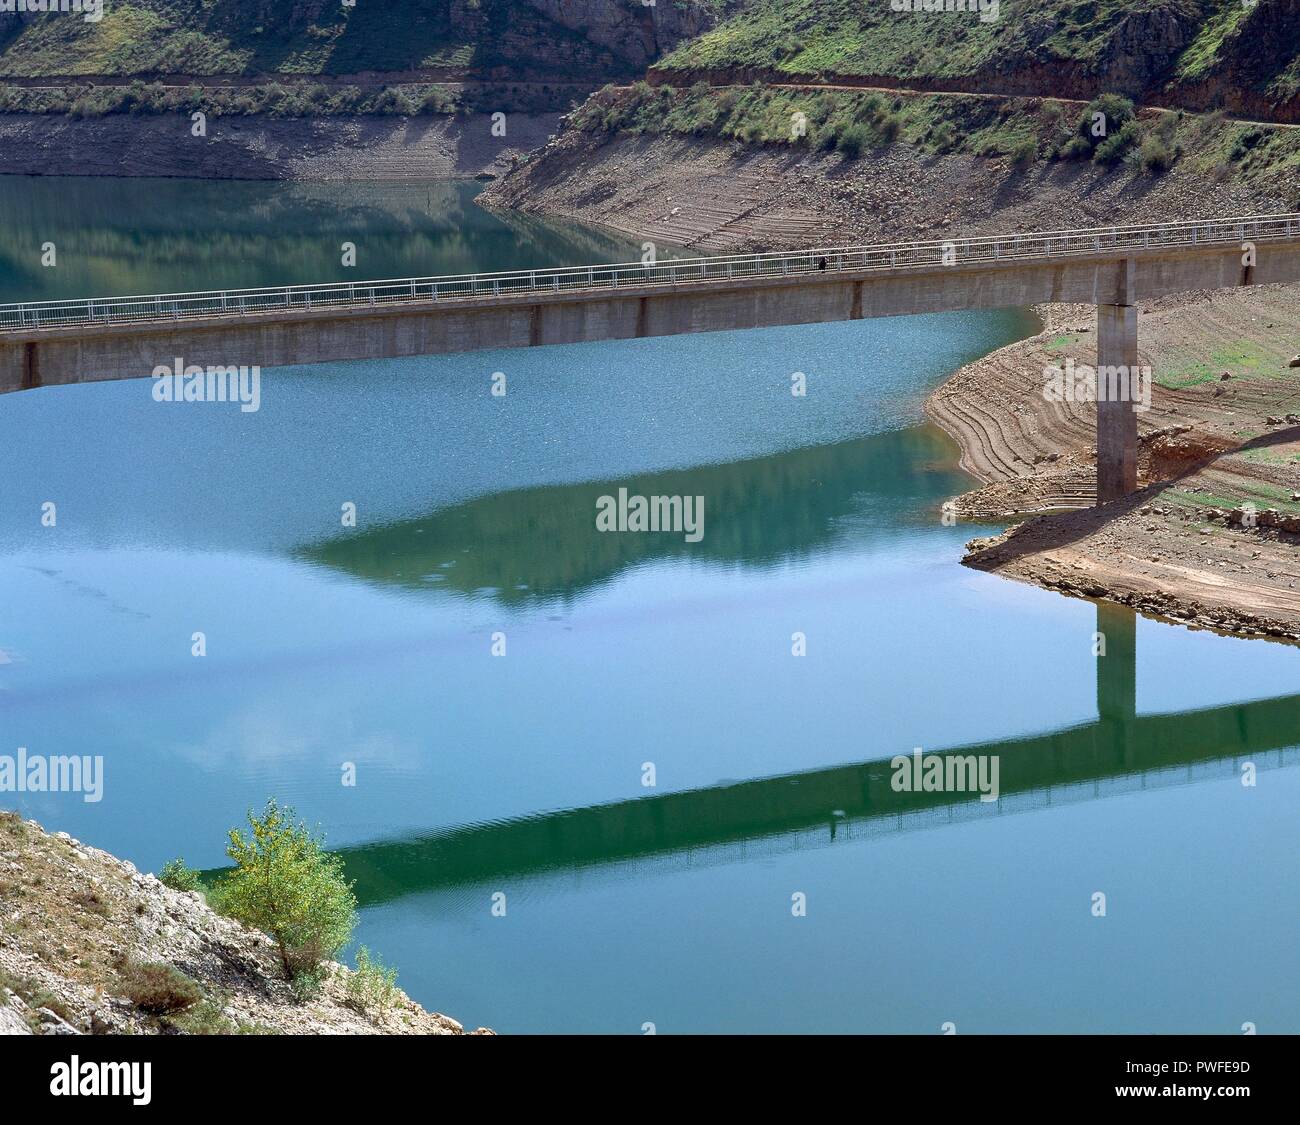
[635, 30]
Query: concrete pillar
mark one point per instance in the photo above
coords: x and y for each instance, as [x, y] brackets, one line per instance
[1117, 428]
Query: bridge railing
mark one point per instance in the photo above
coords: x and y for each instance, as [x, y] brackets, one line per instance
[668, 272]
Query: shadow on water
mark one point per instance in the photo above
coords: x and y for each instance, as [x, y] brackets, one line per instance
[540, 544]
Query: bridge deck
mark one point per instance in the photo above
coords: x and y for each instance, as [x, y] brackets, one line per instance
[673, 273]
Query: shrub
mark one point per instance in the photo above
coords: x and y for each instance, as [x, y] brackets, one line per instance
[1076, 148]
[286, 884]
[1118, 121]
[177, 876]
[852, 141]
[1117, 110]
[1024, 152]
[944, 137]
[373, 986]
[1112, 149]
[1157, 156]
[208, 1017]
[308, 982]
[157, 988]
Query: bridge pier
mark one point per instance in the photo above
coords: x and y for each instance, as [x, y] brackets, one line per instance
[1117, 428]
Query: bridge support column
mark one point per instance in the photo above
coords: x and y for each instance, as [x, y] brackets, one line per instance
[1117, 428]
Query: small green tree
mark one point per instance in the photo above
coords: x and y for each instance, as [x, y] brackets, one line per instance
[287, 885]
[179, 877]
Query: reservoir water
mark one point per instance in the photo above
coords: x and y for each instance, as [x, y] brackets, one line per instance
[771, 879]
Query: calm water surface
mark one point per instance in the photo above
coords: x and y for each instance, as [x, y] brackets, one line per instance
[522, 774]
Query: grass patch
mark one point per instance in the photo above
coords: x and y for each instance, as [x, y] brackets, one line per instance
[372, 987]
[208, 1017]
[1024, 131]
[179, 877]
[157, 988]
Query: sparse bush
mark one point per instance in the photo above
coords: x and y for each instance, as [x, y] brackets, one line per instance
[157, 988]
[373, 986]
[1113, 149]
[91, 901]
[891, 125]
[1243, 143]
[1157, 155]
[1024, 153]
[1076, 148]
[179, 877]
[853, 141]
[208, 1017]
[943, 138]
[286, 884]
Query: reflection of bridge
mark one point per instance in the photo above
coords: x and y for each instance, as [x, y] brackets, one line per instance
[55, 342]
[1117, 752]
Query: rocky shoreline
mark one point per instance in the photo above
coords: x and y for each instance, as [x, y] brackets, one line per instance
[1211, 539]
[269, 148]
[74, 920]
[724, 196]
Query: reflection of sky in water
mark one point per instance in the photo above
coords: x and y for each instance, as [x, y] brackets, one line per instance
[477, 515]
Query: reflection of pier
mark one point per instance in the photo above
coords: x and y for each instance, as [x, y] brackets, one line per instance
[1119, 752]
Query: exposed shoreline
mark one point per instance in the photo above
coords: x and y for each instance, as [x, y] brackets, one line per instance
[1181, 548]
[721, 195]
[1209, 444]
[269, 148]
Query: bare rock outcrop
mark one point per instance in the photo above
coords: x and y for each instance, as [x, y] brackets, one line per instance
[76, 920]
[634, 31]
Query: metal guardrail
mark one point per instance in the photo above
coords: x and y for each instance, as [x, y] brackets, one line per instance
[669, 272]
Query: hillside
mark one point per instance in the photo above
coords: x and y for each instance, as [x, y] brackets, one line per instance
[776, 126]
[505, 39]
[1199, 54]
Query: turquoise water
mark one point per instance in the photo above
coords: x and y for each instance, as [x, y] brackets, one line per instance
[522, 775]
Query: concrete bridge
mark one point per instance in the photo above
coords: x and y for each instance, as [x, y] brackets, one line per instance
[58, 342]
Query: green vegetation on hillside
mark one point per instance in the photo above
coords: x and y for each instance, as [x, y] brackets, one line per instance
[200, 37]
[1025, 130]
[287, 885]
[1068, 47]
[286, 99]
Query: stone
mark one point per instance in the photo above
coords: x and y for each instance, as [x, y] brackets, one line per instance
[54, 1024]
